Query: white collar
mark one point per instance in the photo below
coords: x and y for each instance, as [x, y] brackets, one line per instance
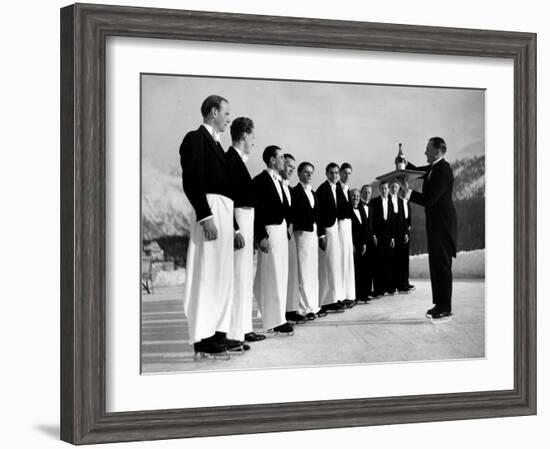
[437, 160]
[332, 184]
[212, 131]
[306, 186]
[243, 156]
[273, 173]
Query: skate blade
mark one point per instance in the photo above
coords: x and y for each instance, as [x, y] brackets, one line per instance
[283, 334]
[199, 356]
[441, 320]
[240, 350]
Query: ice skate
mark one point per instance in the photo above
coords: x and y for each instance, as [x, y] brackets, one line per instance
[295, 317]
[206, 349]
[334, 307]
[440, 317]
[286, 328]
[236, 346]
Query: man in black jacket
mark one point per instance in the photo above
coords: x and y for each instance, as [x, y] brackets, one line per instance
[441, 224]
[305, 217]
[292, 295]
[330, 256]
[360, 233]
[400, 262]
[368, 260]
[345, 234]
[271, 235]
[383, 229]
[242, 136]
[206, 179]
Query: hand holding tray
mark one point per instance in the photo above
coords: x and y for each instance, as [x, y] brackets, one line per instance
[403, 175]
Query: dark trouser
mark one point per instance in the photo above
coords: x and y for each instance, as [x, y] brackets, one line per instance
[441, 274]
[383, 268]
[363, 273]
[400, 265]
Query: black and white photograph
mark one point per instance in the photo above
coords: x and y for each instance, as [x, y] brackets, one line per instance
[291, 223]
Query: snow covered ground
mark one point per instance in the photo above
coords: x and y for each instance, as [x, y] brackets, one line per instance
[169, 278]
[467, 265]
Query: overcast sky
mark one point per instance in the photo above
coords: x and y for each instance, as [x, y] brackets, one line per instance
[318, 122]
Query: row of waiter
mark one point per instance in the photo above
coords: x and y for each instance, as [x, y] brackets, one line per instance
[318, 251]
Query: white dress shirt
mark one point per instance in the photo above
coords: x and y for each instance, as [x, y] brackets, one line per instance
[405, 208]
[333, 188]
[275, 178]
[286, 190]
[395, 204]
[309, 194]
[357, 214]
[345, 188]
[385, 207]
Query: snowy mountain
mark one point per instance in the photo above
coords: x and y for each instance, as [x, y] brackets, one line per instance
[469, 178]
[165, 210]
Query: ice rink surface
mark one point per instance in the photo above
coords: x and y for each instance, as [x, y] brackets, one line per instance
[389, 329]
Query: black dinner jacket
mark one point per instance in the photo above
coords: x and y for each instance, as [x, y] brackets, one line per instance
[204, 169]
[401, 223]
[436, 197]
[359, 229]
[384, 230]
[302, 214]
[328, 213]
[345, 209]
[241, 180]
[269, 210]
[368, 228]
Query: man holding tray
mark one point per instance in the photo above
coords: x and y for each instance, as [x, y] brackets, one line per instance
[441, 224]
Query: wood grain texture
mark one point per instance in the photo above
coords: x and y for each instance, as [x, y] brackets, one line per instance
[83, 32]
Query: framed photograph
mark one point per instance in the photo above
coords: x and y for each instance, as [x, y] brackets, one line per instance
[314, 103]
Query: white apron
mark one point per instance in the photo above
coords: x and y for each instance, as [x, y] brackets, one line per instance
[208, 290]
[330, 268]
[348, 267]
[271, 282]
[241, 312]
[292, 293]
[308, 271]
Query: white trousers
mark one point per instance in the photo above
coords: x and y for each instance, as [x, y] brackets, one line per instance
[241, 311]
[271, 282]
[308, 271]
[292, 293]
[208, 290]
[348, 267]
[330, 269]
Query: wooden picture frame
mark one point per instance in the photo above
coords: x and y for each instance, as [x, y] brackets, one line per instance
[84, 29]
